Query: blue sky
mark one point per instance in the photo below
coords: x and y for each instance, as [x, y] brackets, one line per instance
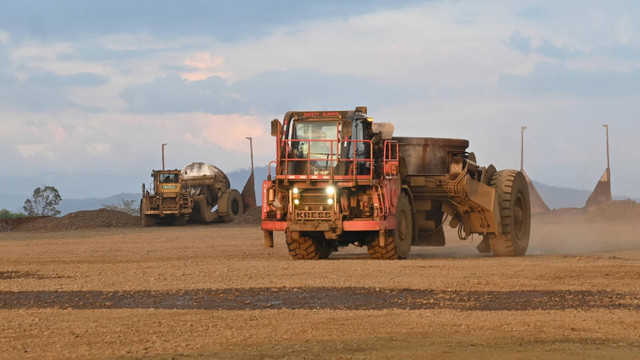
[89, 90]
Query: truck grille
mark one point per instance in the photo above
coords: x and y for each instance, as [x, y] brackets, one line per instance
[169, 205]
[314, 206]
[313, 197]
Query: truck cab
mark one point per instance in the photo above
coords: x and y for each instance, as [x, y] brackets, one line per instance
[166, 182]
[168, 203]
[330, 177]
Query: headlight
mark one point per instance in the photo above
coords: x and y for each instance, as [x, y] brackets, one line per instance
[331, 190]
[295, 190]
[330, 201]
[296, 201]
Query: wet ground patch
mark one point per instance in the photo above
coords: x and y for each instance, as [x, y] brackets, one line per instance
[347, 298]
[11, 274]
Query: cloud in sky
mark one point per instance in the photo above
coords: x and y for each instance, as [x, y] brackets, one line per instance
[271, 91]
[549, 78]
[97, 86]
[173, 94]
[524, 45]
[224, 20]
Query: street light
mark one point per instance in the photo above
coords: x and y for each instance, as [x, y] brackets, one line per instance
[163, 145]
[606, 126]
[251, 147]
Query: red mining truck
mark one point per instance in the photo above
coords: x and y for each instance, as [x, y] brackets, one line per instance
[342, 179]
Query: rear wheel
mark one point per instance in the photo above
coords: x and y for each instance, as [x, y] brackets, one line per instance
[306, 248]
[232, 203]
[512, 192]
[398, 245]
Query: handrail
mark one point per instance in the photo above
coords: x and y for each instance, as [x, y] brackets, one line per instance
[269, 169]
[388, 156]
[332, 158]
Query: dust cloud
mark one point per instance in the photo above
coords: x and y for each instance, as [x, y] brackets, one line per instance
[612, 227]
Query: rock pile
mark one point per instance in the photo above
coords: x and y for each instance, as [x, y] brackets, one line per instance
[251, 217]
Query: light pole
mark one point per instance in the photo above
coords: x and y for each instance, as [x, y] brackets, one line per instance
[251, 148]
[163, 145]
[522, 147]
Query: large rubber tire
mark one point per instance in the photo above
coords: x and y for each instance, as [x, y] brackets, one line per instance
[146, 220]
[234, 205]
[398, 245]
[515, 214]
[306, 248]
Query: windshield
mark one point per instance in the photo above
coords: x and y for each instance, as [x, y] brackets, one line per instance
[169, 178]
[316, 140]
[317, 130]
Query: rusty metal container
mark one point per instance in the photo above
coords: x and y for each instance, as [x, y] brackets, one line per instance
[429, 156]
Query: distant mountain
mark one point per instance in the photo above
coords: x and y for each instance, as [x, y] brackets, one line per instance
[239, 177]
[560, 197]
[12, 202]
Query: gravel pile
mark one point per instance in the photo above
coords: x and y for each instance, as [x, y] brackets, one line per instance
[251, 217]
[89, 219]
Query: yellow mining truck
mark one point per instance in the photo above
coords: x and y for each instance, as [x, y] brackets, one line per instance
[198, 193]
[169, 202]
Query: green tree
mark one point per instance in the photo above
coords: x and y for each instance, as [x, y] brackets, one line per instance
[6, 214]
[43, 202]
[126, 206]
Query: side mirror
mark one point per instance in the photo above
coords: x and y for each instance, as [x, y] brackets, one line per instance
[275, 127]
[345, 128]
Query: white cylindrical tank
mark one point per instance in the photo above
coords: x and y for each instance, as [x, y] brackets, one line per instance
[198, 169]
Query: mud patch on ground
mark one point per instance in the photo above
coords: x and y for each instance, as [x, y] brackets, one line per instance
[350, 298]
[10, 275]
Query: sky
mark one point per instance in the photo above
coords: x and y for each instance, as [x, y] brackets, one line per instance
[89, 90]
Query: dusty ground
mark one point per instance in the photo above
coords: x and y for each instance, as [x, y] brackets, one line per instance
[216, 292]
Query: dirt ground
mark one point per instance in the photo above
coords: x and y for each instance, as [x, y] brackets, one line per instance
[215, 292]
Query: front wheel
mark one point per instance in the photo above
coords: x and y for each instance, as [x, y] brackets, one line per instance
[305, 248]
[512, 192]
[398, 245]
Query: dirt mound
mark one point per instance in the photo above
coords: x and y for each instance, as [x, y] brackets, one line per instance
[89, 219]
[15, 222]
[616, 210]
[251, 217]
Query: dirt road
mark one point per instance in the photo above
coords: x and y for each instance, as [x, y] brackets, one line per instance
[216, 292]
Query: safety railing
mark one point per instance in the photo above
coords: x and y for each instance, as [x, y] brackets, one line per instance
[391, 154]
[318, 159]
